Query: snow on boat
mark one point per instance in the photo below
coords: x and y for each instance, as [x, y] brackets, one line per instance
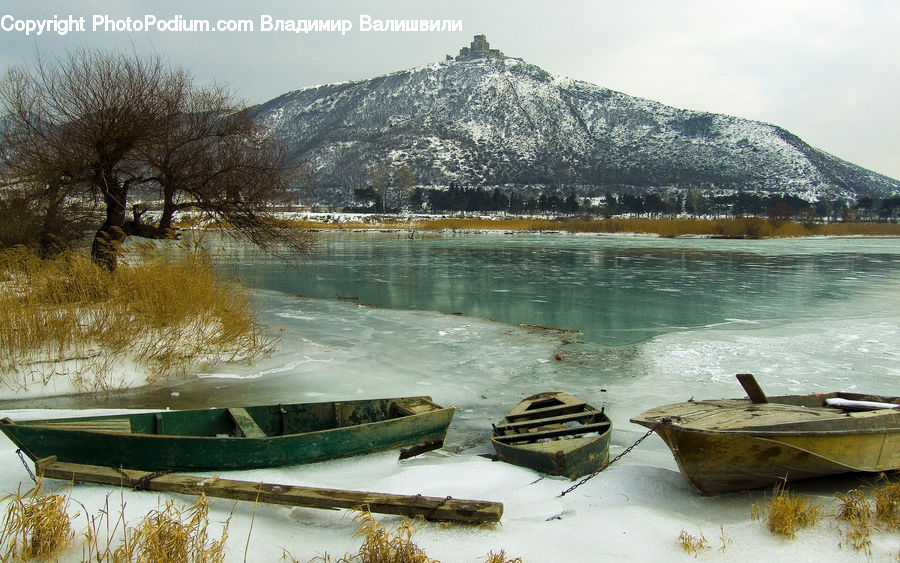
[238, 437]
[554, 433]
[733, 444]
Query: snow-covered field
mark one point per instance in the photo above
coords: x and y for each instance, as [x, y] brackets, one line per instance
[634, 511]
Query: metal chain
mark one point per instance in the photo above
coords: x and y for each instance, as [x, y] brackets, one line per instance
[613, 460]
[141, 483]
[27, 468]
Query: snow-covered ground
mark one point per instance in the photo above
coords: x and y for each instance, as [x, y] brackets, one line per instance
[633, 511]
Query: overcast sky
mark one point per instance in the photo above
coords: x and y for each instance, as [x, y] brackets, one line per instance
[827, 70]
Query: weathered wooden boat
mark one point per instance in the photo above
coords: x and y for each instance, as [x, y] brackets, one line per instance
[236, 438]
[733, 444]
[554, 433]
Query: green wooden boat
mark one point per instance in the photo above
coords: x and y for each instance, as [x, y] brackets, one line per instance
[554, 433]
[236, 438]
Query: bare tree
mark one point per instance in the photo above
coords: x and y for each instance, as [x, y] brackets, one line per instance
[379, 177]
[96, 125]
[406, 180]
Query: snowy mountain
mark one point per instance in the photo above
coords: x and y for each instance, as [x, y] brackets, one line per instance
[503, 122]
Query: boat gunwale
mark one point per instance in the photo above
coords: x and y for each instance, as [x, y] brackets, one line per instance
[753, 432]
[36, 425]
[835, 414]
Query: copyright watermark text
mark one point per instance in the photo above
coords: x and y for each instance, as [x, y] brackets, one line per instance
[103, 23]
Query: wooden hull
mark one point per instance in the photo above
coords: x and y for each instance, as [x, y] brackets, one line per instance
[223, 439]
[554, 433]
[734, 444]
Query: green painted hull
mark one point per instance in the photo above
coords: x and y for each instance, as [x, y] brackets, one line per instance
[213, 439]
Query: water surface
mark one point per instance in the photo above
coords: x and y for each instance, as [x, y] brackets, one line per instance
[644, 322]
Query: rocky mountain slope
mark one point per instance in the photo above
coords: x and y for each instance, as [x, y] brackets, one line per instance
[503, 122]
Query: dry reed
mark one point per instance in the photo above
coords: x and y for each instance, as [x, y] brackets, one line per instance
[37, 525]
[854, 508]
[737, 227]
[382, 545]
[174, 535]
[786, 514]
[99, 534]
[692, 544]
[887, 505]
[162, 308]
[501, 558]
[857, 512]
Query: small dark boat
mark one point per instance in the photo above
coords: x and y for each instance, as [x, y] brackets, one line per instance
[733, 444]
[554, 433]
[236, 438]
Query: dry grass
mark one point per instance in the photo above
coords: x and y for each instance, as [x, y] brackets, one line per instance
[101, 532]
[174, 535]
[786, 514]
[371, 222]
[382, 545]
[887, 505]
[739, 227]
[692, 544]
[391, 545]
[162, 308]
[856, 510]
[501, 558]
[37, 525]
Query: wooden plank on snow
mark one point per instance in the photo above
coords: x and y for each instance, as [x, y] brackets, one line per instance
[438, 509]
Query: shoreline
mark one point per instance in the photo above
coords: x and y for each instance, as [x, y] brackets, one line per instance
[724, 228]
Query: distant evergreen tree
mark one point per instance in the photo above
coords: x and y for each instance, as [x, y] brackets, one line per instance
[417, 199]
[612, 205]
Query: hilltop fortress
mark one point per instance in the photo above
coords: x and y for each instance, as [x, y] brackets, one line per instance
[480, 49]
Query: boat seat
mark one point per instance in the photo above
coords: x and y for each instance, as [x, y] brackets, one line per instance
[412, 406]
[576, 416]
[548, 411]
[120, 425]
[599, 427]
[245, 424]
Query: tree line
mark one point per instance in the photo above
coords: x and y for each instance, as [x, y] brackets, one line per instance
[457, 198]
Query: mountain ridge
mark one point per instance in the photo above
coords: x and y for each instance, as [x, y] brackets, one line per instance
[507, 123]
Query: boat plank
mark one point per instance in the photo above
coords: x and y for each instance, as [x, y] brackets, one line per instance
[547, 411]
[577, 416]
[438, 509]
[556, 433]
[122, 425]
[245, 423]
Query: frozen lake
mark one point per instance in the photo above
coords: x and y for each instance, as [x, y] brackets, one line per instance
[644, 321]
